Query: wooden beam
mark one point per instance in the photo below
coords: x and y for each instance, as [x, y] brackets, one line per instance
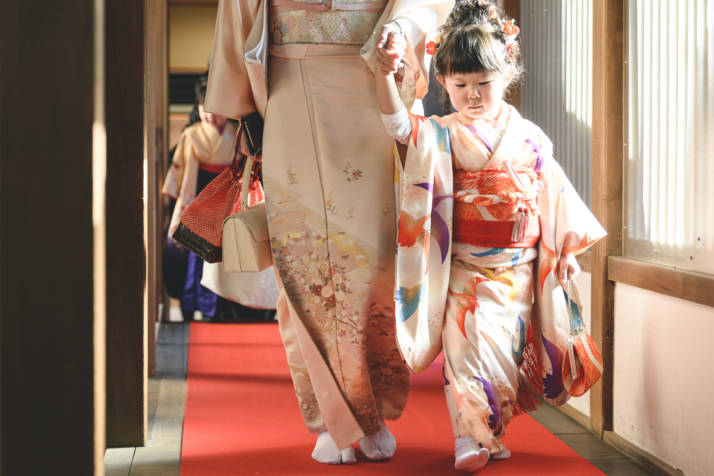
[126, 320]
[679, 283]
[652, 464]
[607, 152]
[51, 308]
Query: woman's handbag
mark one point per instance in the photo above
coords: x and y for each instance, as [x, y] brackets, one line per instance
[583, 366]
[255, 290]
[246, 243]
[201, 226]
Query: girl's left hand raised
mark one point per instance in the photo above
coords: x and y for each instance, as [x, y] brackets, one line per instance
[391, 47]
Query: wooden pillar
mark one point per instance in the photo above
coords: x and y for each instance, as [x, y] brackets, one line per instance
[51, 185]
[156, 123]
[607, 162]
[126, 260]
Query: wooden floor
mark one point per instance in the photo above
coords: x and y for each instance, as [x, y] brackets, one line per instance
[167, 396]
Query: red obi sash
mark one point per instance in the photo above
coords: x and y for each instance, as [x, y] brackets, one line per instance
[497, 207]
[213, 168]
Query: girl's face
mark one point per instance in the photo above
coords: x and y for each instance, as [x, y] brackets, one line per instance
[475, 95]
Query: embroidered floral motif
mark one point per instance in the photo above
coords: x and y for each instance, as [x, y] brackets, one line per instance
[352, 173]
[292, 177]
[330, 203]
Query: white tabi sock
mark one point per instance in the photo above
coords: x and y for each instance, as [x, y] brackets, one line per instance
[469, 455]
[379, 446]
[505, 453]
[326, 451]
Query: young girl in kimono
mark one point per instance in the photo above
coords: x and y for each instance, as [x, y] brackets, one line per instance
[487, 222]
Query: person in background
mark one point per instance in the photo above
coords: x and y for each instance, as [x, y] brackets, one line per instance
[204, 149]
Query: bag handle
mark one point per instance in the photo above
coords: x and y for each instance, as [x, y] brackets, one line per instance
[244, 163]
[245, 188]
[236, 152]
[572, 301]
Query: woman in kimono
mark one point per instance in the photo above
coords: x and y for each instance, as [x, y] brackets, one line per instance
[329, 196]
[481, 202]
[204, 149]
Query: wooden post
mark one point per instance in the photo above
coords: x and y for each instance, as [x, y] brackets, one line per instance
[607, 162]
[126, 262]
[52, 161]
[155, 120]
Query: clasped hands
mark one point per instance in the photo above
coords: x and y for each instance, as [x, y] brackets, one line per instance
[391, 47]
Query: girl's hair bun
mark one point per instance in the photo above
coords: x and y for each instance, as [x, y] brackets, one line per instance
[477, 36]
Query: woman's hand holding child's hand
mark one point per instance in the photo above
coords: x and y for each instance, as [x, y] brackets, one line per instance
[390, 48]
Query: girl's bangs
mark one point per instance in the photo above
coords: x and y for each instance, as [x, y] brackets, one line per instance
[469, 54]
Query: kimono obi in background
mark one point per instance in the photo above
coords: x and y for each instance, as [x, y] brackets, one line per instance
[348, 22]
[213, 168]
[497, 207]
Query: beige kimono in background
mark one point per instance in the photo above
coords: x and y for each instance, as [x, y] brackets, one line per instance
[328, 177]
[200, 145]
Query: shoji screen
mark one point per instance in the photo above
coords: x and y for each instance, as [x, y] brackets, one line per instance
[556, 93]
[669, 185]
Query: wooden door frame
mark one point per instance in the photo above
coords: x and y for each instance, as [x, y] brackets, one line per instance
[127, 324]
[608, 126]
[156, 140]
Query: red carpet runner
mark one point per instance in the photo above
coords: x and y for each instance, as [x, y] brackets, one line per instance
[242, 419]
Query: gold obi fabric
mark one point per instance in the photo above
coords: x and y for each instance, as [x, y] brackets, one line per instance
[323, 21]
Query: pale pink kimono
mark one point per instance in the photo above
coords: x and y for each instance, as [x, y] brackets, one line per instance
[327, 173]
[471, 259]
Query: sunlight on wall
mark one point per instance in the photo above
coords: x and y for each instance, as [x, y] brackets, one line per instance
[670, 163]
[556, 45]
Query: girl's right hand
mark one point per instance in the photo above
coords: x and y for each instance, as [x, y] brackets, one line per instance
[391, 47]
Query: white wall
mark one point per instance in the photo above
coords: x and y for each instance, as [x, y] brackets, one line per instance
[664, 377]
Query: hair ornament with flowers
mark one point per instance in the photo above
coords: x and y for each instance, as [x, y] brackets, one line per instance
[433, 45]
[510, 32]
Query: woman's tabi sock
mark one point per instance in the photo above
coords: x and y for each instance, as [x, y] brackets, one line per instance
[326, 451]
[379, 446]
[469, 455]
[505, 453]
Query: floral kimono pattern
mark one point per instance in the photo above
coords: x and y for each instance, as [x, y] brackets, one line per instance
[480, 205]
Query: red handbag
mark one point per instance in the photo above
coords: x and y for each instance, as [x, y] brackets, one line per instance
[201, 226]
